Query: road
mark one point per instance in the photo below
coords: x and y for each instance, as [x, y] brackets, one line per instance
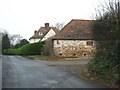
[19, 72]
[0, 72]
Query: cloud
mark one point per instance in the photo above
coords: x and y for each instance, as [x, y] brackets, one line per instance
[24, 16]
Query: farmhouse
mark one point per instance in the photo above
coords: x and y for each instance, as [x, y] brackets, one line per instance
[43, 33]
[75, 39]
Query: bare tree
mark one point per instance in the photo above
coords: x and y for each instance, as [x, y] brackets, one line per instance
[106, 63]
[14, 39]
[59, 25]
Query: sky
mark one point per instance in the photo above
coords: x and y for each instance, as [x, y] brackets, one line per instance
[24, 16]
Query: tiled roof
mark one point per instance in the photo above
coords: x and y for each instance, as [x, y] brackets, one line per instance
[44, 31]
[77, 29]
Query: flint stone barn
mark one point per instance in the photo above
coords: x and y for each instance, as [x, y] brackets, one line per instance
[43, 33]
[75, 39]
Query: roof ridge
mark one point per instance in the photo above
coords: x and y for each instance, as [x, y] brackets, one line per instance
[82, 20]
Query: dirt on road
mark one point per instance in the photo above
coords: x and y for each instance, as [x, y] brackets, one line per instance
[76, 67]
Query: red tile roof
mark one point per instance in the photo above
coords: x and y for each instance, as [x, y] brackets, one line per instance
[77, 29]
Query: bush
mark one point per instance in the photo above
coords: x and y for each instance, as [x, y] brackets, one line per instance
[104, 66]
[106, 63]
[28, 49]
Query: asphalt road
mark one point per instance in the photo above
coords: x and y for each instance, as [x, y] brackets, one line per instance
[0, 72]
[19, 72]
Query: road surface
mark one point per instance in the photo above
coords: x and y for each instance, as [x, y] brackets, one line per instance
[0, 72]
[19, 72]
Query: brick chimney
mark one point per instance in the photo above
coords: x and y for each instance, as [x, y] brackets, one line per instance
[47, 26]
[35, 32]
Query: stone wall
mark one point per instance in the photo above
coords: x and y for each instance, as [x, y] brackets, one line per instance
[74, 48]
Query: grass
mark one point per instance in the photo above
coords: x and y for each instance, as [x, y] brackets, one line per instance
[52, 58]
[41, 57]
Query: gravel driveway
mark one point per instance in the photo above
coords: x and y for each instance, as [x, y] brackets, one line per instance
[75, 66]
[67, 62]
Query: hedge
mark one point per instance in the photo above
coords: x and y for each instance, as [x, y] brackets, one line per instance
[28, 49]
[104, 66]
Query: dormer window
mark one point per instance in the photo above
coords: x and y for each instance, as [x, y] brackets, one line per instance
[40, 33]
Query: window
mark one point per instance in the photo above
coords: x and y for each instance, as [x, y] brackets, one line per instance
[89, 43]
[40, 33]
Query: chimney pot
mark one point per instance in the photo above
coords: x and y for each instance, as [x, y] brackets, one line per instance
[35, 31]
[47, 26]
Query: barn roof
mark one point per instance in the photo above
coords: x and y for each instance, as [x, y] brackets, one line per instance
[77, 29]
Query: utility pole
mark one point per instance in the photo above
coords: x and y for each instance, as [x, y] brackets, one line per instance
[118, 40]
[117, 26]
[118, 18]
[118, 13]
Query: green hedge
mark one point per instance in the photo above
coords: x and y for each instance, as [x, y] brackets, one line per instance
[28, 49]
[104, 66]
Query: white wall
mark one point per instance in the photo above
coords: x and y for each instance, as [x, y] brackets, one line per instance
[34, 40]
[51, 33]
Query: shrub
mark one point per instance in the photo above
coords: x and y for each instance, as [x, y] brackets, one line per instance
[104, 66]
[106, 63]
[28, 49]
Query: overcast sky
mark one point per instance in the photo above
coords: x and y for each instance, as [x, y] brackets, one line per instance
[24, 16]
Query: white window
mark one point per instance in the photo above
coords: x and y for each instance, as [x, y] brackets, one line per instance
[40, 33]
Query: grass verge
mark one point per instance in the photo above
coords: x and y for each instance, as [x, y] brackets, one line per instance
[41, 57]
